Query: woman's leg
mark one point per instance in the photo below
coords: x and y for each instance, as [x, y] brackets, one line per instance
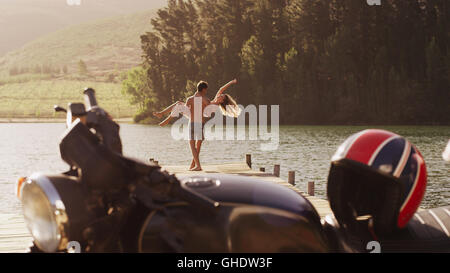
[166, 121]
[167, 110]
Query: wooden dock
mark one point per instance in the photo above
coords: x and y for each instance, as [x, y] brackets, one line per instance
[15, 238]
[14, 235]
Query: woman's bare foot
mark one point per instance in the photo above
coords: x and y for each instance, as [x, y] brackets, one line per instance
[157, 114]
[197, 169]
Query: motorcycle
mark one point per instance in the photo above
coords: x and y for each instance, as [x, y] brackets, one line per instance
[107, 202]
[110, 203]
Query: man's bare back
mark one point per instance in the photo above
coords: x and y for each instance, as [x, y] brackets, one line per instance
[195, 102]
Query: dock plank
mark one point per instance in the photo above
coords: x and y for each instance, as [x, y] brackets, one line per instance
[14, 235]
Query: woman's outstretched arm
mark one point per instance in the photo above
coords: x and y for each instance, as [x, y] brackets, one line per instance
[225, 87]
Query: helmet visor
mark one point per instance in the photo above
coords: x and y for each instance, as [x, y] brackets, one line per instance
[355, 190]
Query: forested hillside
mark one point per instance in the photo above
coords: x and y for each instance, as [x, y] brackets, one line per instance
[323, 62]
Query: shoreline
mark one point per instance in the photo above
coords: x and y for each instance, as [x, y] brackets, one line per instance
[51, 120]
[129, 120]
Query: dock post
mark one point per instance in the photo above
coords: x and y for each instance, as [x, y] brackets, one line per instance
[248, 159]
[311, 188]
[262, 169]
[291, 179]
[276, 170]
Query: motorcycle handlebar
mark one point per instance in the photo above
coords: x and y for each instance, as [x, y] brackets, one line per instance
[89, 96]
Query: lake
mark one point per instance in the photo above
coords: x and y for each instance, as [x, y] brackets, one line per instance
[30, 147]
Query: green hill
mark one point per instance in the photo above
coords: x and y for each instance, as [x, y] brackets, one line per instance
[107, 45]
[22, 21]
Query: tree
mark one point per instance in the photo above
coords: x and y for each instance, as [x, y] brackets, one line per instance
[138, 89]
[82, 68]
[323, 62]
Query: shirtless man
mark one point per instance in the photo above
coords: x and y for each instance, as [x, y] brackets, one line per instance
[196, 104]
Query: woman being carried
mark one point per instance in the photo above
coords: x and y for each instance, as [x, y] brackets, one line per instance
[226, 103]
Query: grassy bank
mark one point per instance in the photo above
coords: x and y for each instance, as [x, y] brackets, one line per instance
[35, 99]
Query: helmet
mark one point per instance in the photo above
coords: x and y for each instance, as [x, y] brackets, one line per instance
[377, 173]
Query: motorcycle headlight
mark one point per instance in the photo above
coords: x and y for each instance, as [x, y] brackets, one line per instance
[44, 213]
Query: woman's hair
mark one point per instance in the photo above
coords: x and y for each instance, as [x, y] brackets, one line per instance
[229, 107]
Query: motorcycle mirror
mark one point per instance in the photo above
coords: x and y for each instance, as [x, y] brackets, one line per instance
[77, 109]
[58, 108]
[446, 154]
[89, 97]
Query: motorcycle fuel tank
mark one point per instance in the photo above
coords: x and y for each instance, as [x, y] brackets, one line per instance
[251, 191]
[253, 216]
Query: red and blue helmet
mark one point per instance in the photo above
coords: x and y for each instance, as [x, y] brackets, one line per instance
[379, 173]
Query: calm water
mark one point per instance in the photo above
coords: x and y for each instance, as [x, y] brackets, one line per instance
[26, 148]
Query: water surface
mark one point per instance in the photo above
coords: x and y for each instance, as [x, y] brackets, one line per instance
[27, 148]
